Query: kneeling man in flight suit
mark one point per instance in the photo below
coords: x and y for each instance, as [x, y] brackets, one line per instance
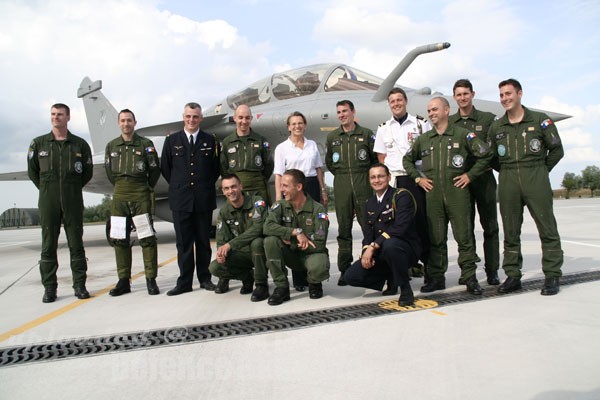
[391, 244]
[240, 241]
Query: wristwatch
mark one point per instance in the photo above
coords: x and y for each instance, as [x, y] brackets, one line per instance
[417, 180]
[298, 231]
[372, 244]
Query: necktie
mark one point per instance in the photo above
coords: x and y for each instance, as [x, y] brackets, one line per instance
[192, 141]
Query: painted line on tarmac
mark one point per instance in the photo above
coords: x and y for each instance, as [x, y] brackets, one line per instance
[581, 244]
[63, 310]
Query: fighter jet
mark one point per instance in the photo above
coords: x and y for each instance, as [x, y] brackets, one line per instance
[313, 90]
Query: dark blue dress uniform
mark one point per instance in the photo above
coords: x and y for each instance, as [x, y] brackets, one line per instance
[191, 173]
[390, 224]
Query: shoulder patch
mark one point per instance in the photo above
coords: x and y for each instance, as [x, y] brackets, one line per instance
[546, 123]
[260, 203]
[275, 205]
[266, 145]
[323, 216]
[150, 149]
[471, 136]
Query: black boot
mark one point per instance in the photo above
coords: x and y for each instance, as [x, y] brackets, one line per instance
[279, 296]
[492, 278]
[222, 286]
[315, 290]
[391, 289]
[152, 286]
[260, 293]
[407, 297]
[81, 292]
[49, 295]
[123, 286]
[473, 286]
[510, 285]
[247, 286]
[433, 285]
[551, 286]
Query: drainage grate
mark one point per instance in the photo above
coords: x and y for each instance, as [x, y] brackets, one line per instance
[198, 333]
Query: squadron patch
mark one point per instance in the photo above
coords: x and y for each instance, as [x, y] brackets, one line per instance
[274, 206]
[231, 150]
[140, 166]
[78, 166]
[114, 154]
[362, 154]
[153, 163]
[258, 160]
[458, 161]
[335, 157]
[501, 150]
[30, 154]
[308, 221]
[43, 153]
[232, 163]
[535, 145]
[219, 225]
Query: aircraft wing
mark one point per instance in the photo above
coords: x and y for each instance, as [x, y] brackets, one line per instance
[170, 127]
[14, 176]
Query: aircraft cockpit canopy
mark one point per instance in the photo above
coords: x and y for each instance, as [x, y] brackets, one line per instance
[302, 82]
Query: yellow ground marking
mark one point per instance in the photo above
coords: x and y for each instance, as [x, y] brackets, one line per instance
[438, 313]
[420, 304]
[68, 307]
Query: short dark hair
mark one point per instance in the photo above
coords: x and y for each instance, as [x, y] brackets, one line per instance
[230, 176]
[126, 110]
[297, 175]
[397, 90]
[295, 114]
[464, 83]
[63, 106]
[515, 83]
[193, 106]
[380, 165]
[345, 103]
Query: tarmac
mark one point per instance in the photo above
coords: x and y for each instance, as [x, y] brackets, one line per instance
[451, 345]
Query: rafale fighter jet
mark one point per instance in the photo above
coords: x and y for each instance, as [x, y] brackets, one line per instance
[312, 90]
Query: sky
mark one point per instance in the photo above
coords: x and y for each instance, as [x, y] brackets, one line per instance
[154, 56]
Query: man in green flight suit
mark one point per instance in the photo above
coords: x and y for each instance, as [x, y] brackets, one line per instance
[240, 241]
[349, 157]
[527, 147]
[483, 189]
[295, 235]
[132, 166]
[248, 155]
[444, 151]
[60, 164]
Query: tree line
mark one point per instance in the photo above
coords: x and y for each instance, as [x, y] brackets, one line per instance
[589, 179]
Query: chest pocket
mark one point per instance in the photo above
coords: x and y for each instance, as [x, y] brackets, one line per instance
[427, 158]
[44, 155]
[502, 148]
[234, 227]
[75, 163]
[287, 220]
[361, 145]
[533, 141]
[457, 159]
[336, 151]
[138, 166]
[115, 160]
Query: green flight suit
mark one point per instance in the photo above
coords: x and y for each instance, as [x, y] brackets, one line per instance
[526, 152]
[242, 229]
[133, 168]
[444, 158]
[60, 169]
[251, 159]
[349, 157]
[280, 223]
[483, 190]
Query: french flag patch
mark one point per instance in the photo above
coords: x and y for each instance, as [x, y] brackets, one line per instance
[471, 136]
[546, 123]
[260, 203]
[323, 216]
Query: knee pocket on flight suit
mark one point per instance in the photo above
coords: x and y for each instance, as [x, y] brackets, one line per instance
[148, 241]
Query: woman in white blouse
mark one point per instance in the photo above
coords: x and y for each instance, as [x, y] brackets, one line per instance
[297, 152]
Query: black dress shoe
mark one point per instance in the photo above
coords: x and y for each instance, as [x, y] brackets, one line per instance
[551, 286]
[49, 295]
[391, 290]
[222, 286]
[152, 286]
[407, 297]
[433, 285]
[247, 287]
[279, 296]
[300, 288]
[492, 278]
[81, 292]
[473, 286]
[123, 286]
[342, 281]
[260, 293]
[178, 290]
[315, 290]
[208, 285]
[510, 285]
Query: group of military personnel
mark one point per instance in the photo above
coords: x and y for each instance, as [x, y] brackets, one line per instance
[403, 184]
